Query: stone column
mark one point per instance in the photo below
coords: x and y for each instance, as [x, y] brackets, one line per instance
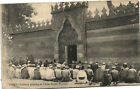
[56, 51]
[139, 45]
[80, 52]
[66, 54]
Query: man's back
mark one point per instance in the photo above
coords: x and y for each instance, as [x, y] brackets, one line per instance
[66, 73]
[81, 77]
[75, 72]
[132, 74]
[99, 74]
[42, 72]
[89, 72]
[18, 73]
[115, 75]
[124, 72]
[31, 72]
[58, 73]
[50, 74]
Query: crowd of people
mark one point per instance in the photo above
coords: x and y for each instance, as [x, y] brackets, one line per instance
[77, 71]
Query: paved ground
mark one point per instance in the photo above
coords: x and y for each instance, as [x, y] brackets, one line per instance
[49, 84]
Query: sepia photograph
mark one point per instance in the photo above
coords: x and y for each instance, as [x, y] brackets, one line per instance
[70, 44]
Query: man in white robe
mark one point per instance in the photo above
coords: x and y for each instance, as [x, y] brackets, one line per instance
[58, 73]
[66, 75]
[43, 72]
[18, 72]
[31, 69]
[81, 76]
[12, 71]
[75, 71]
[50, 73]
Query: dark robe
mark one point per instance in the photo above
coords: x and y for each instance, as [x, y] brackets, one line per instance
[107, 79]
[24, 73]
[37, 75]
[124, 74]
[89, 74]
[95, 67]
[99, 75]
[46, 63]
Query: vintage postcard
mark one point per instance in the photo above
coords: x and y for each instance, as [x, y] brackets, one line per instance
[70, 44]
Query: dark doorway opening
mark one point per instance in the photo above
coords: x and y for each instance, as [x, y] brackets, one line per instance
[72, 53]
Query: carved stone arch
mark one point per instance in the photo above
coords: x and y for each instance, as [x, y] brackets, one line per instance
[70, 20]
[68, 36]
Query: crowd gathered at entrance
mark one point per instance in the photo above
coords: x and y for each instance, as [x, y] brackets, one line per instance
[79, 72]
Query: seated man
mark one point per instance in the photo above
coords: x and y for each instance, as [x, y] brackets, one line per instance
[58, 73]
[43, 72]
[124, 73]
[24, 72]
[107, 78]
[132, 74]
[18, 72]
[75, 71]
[50, 73]
[37, 75]
[66, 75]
[12, 71]
[31, 69]
[115, 75]
[138, 77]
[89, 73]
[81, 76]
[99, 74]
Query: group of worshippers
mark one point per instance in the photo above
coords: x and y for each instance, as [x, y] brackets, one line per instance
[79, 72]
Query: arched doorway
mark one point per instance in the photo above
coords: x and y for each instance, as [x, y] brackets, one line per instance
[67, 42]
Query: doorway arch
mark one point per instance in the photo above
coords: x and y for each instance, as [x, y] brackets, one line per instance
[67, 43]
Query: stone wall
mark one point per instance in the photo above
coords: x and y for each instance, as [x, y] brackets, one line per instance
[117, 44]
[39, 44]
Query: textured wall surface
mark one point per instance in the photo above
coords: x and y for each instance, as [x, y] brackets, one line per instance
[114, 43]
[38, 44]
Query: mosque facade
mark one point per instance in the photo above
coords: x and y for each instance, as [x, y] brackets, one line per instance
[71, 36]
